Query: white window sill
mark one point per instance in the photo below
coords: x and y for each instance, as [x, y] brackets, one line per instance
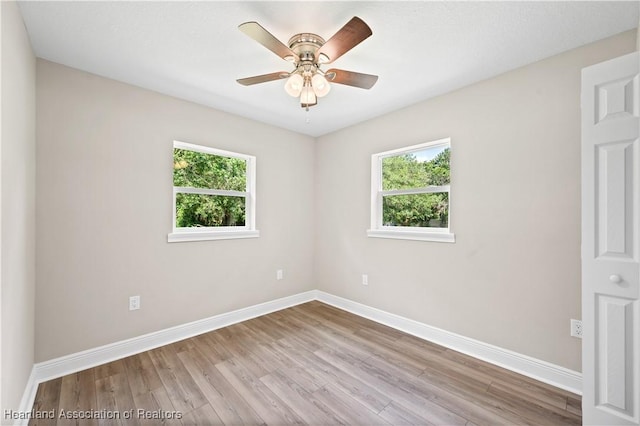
[178, 237]
[440, 237]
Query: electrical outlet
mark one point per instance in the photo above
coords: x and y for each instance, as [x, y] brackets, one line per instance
[279, 274]
[365, 279]
[134, 303]
[576, 328]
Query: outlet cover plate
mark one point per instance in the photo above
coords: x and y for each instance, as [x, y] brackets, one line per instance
[134, 303]
[576, 328]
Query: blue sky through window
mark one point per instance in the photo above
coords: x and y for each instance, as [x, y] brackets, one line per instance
[428, 154]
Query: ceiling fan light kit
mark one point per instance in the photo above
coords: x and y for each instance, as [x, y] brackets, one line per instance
[294, 85]
[308, 52]
[320, 85]
[308, 97]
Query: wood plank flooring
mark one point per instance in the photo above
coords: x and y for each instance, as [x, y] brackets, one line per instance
[310, 364]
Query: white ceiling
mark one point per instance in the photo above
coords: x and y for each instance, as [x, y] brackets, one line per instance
[194, 50]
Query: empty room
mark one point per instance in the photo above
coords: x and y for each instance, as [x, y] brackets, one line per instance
[352, 212]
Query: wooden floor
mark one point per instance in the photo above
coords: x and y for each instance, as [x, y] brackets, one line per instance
[310, 364]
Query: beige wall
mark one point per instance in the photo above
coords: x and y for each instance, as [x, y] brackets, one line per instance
[512, 278]
[17, 203]
[104, 182]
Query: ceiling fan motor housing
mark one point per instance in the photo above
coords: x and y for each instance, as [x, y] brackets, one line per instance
[305, 45]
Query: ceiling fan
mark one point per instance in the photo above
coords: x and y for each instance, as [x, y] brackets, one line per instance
[308, 52]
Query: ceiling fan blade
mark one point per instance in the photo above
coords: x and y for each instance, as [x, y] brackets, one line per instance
[263, 78]
[350, 78]
[348, 37]
[265, 38]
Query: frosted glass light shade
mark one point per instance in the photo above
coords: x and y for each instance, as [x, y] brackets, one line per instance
[320, 85]
[294, 85]
[308, 97]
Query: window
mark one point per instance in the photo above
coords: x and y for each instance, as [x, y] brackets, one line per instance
[410, 193]
[213, 194]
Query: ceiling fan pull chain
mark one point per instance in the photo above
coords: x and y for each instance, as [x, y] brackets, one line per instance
[307, 120]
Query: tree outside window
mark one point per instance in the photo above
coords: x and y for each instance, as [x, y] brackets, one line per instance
[410, 192]
[214, 194]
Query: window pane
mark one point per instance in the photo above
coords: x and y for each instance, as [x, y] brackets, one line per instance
[199, 170]
[427, 167]
[424, 210]
[195, 210]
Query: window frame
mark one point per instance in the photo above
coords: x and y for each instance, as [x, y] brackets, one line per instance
[218, 232]
[378, 229]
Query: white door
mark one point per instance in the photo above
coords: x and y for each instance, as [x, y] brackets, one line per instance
[611, 242]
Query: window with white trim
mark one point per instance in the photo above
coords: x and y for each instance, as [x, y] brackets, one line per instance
[410, 193]
[213, 194]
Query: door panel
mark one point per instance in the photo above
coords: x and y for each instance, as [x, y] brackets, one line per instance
[615, 99]
[611, 242]
[614, 199]
[617, 359]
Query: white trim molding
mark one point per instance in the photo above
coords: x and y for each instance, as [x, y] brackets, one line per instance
[543, 371]
[537, 369]
[233, 234]
[68, 364]
[90, 358]
[403, 234]
[28, 398]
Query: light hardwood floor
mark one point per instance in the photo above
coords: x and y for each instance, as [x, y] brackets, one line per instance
[310, 364]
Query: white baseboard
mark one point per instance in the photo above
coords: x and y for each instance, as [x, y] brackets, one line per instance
[543, 371]
[540, 370]
[28, 398]
[79, 361]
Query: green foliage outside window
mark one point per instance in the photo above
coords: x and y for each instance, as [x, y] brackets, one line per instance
[194, 169]
[407, 172]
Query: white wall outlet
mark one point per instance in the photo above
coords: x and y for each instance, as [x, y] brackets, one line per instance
[576, 328]
[134, 303]
[365, 279]
[279, 274]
